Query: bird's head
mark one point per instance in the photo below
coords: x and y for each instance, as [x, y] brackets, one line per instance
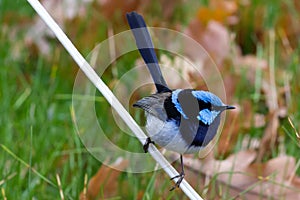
[197, 104]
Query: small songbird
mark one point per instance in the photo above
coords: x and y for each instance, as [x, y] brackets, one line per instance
[180, 120]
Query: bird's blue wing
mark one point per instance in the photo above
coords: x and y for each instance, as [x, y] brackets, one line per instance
[146, 49]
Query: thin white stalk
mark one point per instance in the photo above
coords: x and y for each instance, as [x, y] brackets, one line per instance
[61, 193]
[106, 92]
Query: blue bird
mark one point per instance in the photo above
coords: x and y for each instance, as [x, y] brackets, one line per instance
[180, 120]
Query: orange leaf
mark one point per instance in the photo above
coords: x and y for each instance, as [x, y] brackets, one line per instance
[105, 180]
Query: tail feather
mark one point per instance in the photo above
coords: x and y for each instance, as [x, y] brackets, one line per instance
[146, 49]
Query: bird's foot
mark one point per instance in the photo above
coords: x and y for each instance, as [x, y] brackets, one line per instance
[180, 178]
[147, 143]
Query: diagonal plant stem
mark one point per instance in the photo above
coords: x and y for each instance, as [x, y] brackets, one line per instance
[106, 92]
[5, 148]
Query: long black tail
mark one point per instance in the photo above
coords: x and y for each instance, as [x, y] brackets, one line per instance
[146, 49]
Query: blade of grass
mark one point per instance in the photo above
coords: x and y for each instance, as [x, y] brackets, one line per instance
[30, 159]
[291, 136]
[27, 165]
[3, 194]
[150, 188]
[61, 193]
[84, 193]
[294, 172]
[274, 103]
[22, 98]
[78, 97]
[8, 178]
[293, 126]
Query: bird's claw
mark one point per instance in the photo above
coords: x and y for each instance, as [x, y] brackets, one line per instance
[147, 143]
[180, 178]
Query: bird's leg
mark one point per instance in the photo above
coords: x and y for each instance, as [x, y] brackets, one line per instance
[147, 143]
[180, 176]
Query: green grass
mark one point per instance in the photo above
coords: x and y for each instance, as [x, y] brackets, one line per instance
[37, 136]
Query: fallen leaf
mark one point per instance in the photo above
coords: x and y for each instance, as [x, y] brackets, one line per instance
[219, 10]
[214, 38]
[62, 11]
[112, 8]
[104, 181]
[240, 177]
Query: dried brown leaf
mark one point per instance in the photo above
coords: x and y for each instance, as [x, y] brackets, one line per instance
[62, 11]
[110, 8]
[238, 173]
[105, 180]
[214, 38]
[219, 10]
[282, 166]
[274, 177]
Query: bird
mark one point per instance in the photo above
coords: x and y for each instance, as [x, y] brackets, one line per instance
[180, 120]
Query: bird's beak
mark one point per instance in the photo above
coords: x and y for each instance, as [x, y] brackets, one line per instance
[229, 107]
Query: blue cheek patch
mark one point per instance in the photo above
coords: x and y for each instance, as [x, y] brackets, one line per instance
[207, 116]
[176, 103]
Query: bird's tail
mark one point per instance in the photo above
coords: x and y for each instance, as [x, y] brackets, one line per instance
[146, 49]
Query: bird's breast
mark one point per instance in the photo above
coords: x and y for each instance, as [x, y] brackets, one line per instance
[167, 134]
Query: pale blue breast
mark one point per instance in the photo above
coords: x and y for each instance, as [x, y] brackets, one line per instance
[167, 134]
